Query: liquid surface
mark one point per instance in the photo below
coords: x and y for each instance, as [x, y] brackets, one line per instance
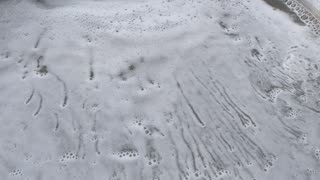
[159, 90]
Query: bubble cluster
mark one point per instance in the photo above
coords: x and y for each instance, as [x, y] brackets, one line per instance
[148, 130]
[153, 157]
[222, 173]
[287, 110]
[16, 172]
[138, 122]
[310, 171]
[42, 70]
[273, 93]
[291, 113]
[304, 14]
[153, 162]
[69, 156]
[128, 153]
[269, 164]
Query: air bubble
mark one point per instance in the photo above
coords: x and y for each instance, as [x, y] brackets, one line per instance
[265, 169]
[304, 17]
[196, 174]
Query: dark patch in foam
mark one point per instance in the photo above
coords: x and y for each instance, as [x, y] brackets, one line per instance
[278, 4]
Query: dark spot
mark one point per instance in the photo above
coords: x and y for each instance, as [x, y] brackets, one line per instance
[132, 67]
[7, 54]
[151, 81]
[232, 35]
[91, 75]
[122, 76]
[43, 70]
[255, 53]
[142, 59]
[222, 25]
[226, 15]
